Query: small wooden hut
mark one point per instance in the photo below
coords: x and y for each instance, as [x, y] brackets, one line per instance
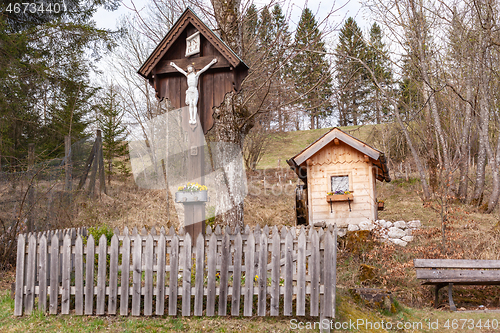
[339, 172]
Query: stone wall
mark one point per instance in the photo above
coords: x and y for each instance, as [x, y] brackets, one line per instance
[399, 232]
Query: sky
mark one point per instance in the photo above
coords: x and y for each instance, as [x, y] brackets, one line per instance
[346, 8]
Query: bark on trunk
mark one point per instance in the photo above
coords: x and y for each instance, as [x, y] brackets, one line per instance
[464, 149]
[483, 122]
[226, 130]
[495, 192]
[428, 93]
[414, 153]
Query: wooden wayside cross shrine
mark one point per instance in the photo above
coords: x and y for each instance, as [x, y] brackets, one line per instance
[193, 68]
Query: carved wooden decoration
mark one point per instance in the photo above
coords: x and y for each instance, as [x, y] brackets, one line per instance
[191, 42]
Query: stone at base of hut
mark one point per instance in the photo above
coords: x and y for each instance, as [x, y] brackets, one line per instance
[352, 227]
[320, 224]
[398, 241]
[375, 298]
[399, 232]
[366, 225]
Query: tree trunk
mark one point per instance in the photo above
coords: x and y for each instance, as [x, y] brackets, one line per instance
[495, 192]
[465, 146]
[228, 139]
[423, 63]
[378, 107]
[414, 153]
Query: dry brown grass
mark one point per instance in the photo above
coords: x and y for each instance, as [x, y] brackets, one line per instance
[127, 205]
[470, 234]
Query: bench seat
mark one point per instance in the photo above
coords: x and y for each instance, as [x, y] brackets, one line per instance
[442, 272]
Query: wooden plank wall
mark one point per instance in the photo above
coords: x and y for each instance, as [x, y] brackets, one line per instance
[338, 160]
[156, 273]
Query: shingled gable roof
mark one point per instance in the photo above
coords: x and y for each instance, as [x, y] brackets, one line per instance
[188, 17]
[335, 133]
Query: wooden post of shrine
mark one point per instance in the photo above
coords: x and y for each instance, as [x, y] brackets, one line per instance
[194, 70]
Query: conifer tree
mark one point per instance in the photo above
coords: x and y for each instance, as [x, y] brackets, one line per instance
[266, 30]
[113, 130]
[351, 76]
[249, 35]
[313, 81]
[45, 65]
[378, 61]
[281, 52]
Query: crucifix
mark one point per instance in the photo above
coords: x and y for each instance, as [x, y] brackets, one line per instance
[192, 94]
[212, 70]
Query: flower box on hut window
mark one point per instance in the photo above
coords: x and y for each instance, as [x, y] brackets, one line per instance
[339, 189]
[346, 196]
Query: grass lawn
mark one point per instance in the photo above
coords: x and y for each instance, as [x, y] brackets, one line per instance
[352, 316]
[39, 322]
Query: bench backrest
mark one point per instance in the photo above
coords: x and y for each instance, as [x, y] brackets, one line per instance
[456, 263]
[457, 270]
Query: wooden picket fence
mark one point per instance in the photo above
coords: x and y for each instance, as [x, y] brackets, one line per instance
[278, 272]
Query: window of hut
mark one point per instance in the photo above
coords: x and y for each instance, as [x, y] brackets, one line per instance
[340, 183]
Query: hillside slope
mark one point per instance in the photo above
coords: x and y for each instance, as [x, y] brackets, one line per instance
[284, 145]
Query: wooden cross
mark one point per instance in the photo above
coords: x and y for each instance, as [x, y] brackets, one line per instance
[191, 43]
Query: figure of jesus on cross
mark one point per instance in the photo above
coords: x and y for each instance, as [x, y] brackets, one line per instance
[192, 91]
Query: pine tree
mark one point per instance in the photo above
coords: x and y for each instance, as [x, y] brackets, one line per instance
[378, 61]
[313, 81]
[280, 55]
[351, 75]
[266, 31]
[113, 130]
[45, 63]
[249, 36]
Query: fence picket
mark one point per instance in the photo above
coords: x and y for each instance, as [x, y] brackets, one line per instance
[137, 275]
[30, 275]
[101, 275]
[225, 252]
[186, 276]
[125, 278]
[327, 304]
[212, 248]
[275, 273]
[174, 271]
[79, 275]
[18, 299]
[314, 271]
[301, 274]
[113, 275]
[160, 277]
[42, 279]
[287, 298]
[334, 270]
[200, 260]
[235, 298]
[148, 278]
[262, 272]
[66, 274]
[249, 274]
[54, 274]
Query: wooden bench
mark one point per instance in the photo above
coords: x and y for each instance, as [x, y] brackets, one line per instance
[442, 272]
